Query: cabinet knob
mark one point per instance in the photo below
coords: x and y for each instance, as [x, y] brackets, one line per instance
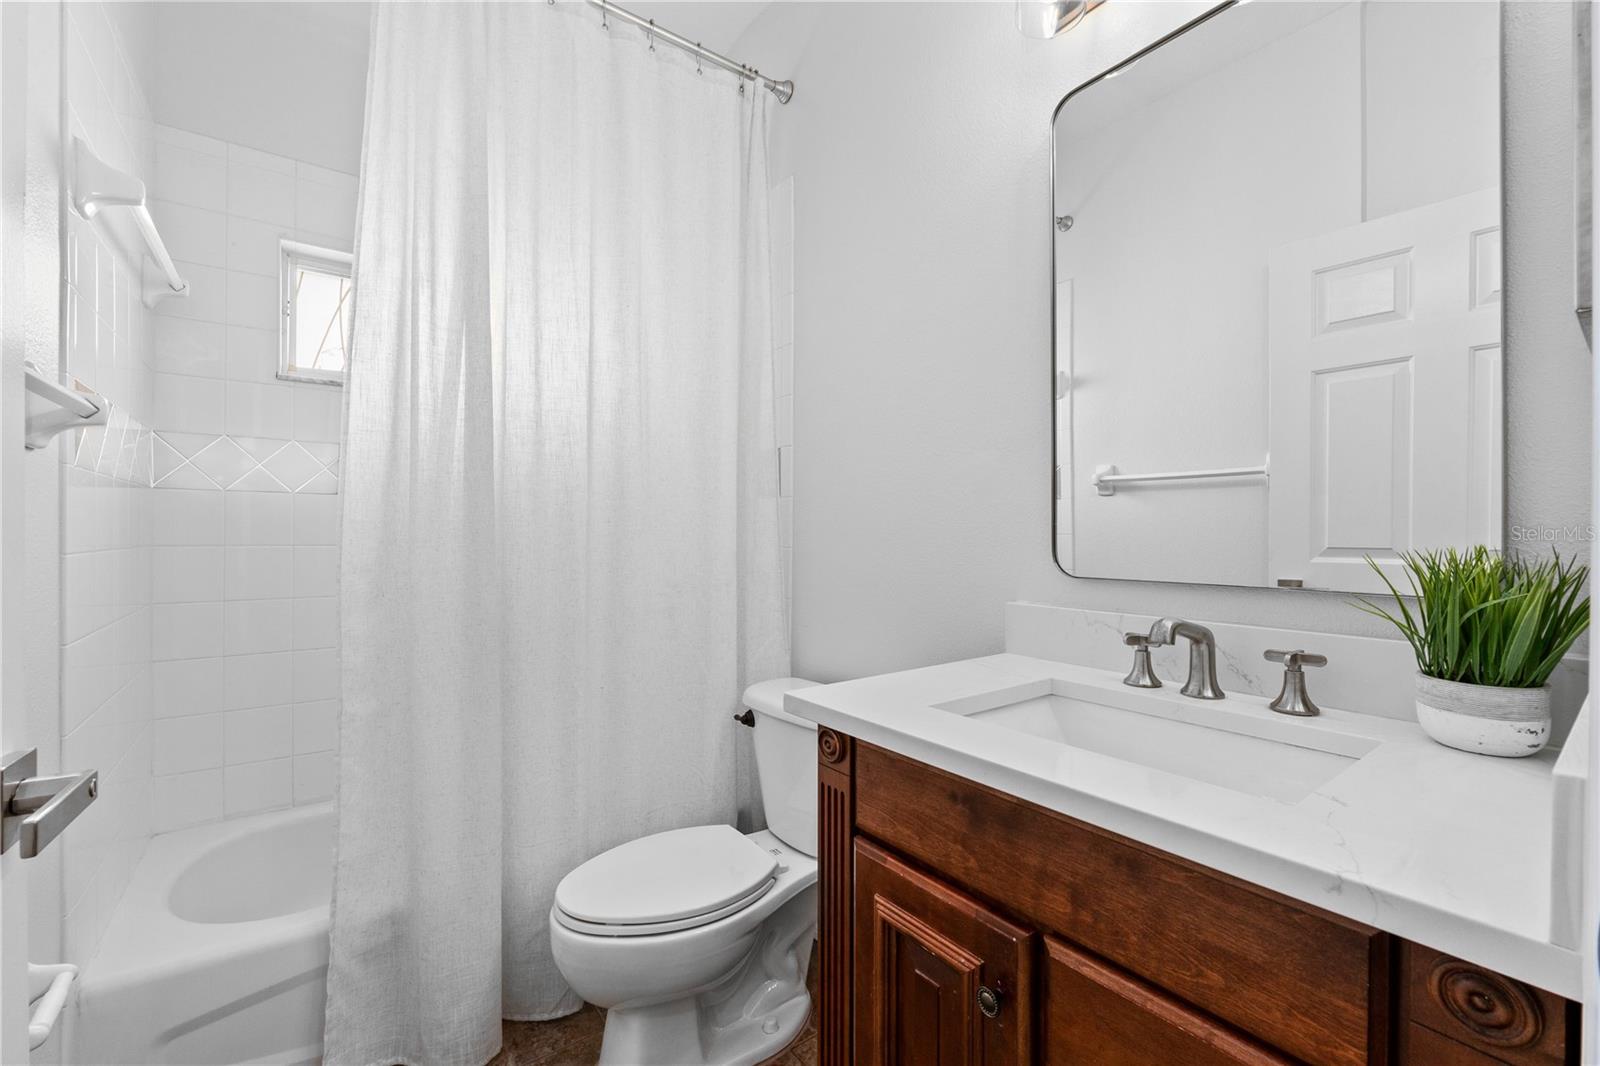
[988, 1001]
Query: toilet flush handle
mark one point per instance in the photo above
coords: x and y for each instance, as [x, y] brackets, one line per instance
[747, 718]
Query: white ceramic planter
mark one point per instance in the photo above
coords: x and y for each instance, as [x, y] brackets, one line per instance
[1508, 722]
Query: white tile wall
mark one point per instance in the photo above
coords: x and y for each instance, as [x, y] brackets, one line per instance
[109, 627]
[781, 210]
[246, 678]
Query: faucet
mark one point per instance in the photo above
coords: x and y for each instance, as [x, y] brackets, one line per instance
[1202, 683]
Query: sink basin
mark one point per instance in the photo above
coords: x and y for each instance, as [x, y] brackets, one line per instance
[1246, 750]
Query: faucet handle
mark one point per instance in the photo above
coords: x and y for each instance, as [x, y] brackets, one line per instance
[1143, 675]
[1293, 697]
[1294, 660]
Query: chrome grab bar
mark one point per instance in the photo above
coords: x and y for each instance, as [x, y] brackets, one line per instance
[1106, 478]
[34, 810]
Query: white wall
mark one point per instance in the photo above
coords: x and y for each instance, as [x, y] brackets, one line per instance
[245, 547]
[105, 704]
[285, 78]
[919, 138]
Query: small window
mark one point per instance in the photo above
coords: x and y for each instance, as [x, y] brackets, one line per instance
[317, 306]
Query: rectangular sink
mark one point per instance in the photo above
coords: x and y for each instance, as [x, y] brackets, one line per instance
[1238, 749]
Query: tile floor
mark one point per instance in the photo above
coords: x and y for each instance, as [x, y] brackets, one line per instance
[575, 1039]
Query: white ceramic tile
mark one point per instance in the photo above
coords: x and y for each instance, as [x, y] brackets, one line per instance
[239, 154]
[316, 726]
[186, 517]
[325, 483]
[193, 142]
[260, 410]
[253, 246]
[187, 799]
[786, 471]
[183, 745]
[253, 300]
[191, 177]
[292, 465]
[316, 623]
[192, 234]
[316, 520]
[185, 575]
[208, 294]
[257, 680]
[255, 626]
[256, 573]
[223, 461]
[252, 355]
[258, 786]
[317, 411]
[258, 480]
[259, 733]
[786, 522]
[259, 193]
[258, 519]
[326, 206]
[188, 404]
[316, 675]
[187, 346]
[315, 777]
[316, 571]
[185, 630]
[186, 686]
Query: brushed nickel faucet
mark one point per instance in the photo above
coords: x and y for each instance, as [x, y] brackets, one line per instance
[1202, 683]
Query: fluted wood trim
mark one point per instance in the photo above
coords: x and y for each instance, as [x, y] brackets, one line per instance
[835, 830]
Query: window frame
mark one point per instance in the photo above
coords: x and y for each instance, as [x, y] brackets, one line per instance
[293, 255]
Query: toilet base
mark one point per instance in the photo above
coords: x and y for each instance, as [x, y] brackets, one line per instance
[744, 1020]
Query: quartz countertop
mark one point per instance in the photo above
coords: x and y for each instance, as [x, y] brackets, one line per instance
[1446, 848]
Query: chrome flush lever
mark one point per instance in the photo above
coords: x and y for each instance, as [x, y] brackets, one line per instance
[1142, 675]
[34, 810]
[1293, 698]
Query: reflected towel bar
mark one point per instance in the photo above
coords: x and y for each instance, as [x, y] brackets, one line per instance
[1106, 479]
[97, 184]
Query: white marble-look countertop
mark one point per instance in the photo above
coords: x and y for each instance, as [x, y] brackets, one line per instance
[1442, 847]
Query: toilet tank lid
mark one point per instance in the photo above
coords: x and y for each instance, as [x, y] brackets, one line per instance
[766, 697]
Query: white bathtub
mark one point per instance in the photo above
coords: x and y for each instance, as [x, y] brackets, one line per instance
[218, 952]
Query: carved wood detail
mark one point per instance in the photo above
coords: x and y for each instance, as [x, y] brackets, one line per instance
[836, 815]
[1497, 1009]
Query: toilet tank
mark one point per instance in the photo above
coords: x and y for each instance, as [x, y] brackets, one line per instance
[786, 763]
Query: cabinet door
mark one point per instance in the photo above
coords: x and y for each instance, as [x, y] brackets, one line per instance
[1097, 1015]
[939, 980]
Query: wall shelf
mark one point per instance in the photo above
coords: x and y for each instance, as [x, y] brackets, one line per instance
[97, 185]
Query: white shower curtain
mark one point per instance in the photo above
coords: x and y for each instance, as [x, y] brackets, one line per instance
[560, 560]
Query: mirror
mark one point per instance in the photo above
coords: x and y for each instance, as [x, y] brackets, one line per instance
[1277, 297]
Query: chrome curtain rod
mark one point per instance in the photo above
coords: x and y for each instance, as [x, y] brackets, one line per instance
[783, 90]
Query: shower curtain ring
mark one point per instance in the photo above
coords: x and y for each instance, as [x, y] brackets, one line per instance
[650, 35]
[697, 50]
[604, 25]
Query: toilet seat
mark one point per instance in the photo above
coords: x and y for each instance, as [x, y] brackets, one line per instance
[666, 882]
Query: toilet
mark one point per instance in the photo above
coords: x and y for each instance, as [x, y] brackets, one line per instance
[697, 940]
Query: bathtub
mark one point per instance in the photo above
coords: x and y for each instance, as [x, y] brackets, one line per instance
[218, 951]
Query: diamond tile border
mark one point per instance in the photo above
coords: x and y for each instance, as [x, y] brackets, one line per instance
[242, 464]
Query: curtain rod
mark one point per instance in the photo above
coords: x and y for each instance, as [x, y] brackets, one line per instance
[783, 90]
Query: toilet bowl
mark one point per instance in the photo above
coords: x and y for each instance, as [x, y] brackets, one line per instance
[697, 940]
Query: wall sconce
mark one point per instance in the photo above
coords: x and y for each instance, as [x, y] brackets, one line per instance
[1047, 18]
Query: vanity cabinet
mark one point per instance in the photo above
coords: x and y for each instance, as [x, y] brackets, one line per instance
[961, 925]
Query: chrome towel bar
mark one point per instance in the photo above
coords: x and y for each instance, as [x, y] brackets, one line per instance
[1106, 478]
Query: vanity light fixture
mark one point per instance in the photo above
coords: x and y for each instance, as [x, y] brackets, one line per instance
[1048, 18]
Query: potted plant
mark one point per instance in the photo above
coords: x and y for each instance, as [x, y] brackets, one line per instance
[1488, 630]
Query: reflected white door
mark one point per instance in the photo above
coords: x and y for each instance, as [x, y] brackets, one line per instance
[13, 719]
[1386, 411]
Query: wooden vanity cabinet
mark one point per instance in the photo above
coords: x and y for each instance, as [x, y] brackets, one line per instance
[960, 925]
